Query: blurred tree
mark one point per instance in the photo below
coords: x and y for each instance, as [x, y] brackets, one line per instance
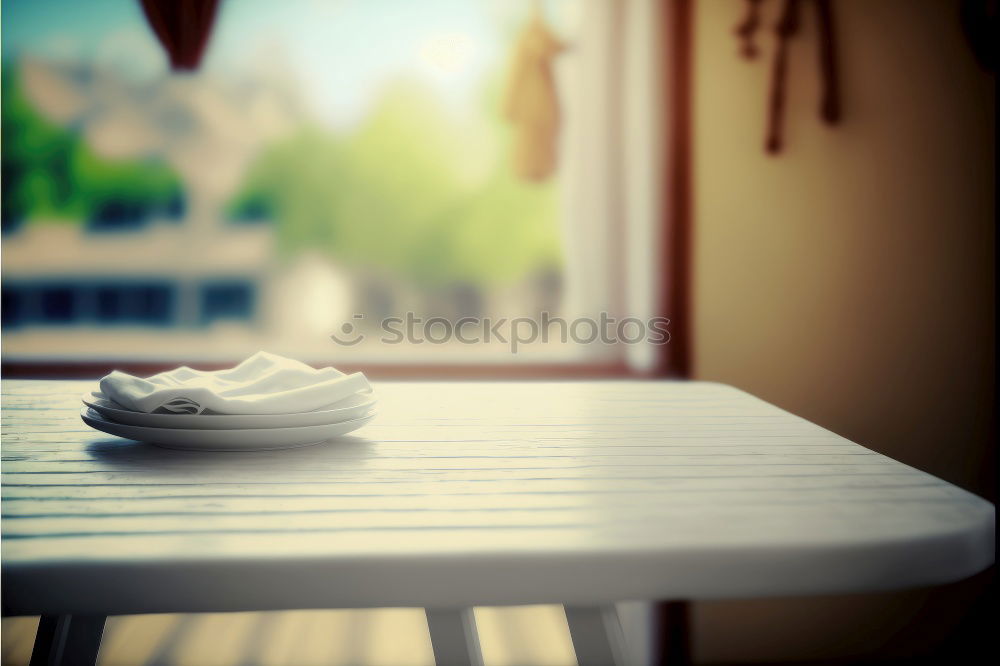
[50, 174]
[117, 193]
[35, 161]
[410, 192]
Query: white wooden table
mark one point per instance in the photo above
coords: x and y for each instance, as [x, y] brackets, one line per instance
[463, 494]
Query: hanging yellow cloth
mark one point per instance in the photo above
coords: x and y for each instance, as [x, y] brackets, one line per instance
[531, 103]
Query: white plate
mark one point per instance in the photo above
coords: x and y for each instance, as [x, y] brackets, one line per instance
[252, 439]
[348, 409]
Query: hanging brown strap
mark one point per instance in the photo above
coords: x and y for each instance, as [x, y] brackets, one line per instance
[788, 25]
[746, 29]
[829, 105]
[183, 27]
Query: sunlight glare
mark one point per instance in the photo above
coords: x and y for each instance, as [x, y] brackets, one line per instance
[448, 53]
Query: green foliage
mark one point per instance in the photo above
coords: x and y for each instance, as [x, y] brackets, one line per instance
[411, 192]
[505, 231]
[35, 162]
[50, 174]
[396, 195]
[141, 188]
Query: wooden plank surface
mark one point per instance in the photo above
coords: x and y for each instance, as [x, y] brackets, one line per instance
[471, 493]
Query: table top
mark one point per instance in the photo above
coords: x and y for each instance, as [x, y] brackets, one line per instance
[473, 493]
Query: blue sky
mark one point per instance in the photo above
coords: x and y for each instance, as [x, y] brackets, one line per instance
[343, 51]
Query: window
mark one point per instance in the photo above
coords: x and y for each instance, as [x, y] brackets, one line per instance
[331, 167]
[227, 301]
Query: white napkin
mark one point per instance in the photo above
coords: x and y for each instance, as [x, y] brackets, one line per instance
[263, 384]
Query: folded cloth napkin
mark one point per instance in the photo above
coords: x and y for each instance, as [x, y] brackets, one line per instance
[263, 384]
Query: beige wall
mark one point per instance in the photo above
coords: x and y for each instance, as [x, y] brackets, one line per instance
[850, 279]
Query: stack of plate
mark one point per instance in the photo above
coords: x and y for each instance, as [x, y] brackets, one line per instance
[229, 432]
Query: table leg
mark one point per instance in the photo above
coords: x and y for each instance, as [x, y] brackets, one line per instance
[67, 640]
[454, 637]
[597, 635]
[671, 633]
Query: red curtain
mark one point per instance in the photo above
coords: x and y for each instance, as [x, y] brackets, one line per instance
[183, 27]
